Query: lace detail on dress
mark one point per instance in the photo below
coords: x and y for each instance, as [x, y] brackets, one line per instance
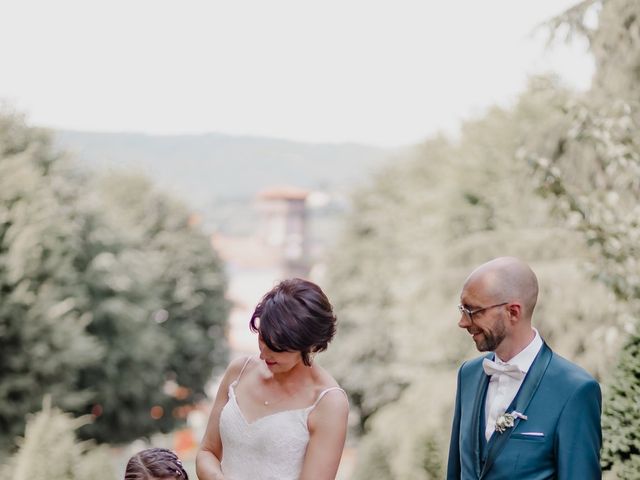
[271, 447]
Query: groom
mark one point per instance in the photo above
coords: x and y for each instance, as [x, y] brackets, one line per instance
[522, 412]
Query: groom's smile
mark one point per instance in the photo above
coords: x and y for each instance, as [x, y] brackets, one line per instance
[486, 327]
[488, 341]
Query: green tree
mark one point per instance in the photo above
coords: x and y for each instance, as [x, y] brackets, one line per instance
[43, 339]
[50, 451]
[191, 282]
[593, 174]
[112, 299]
[621, 415]
[593, 170]
[167, 293]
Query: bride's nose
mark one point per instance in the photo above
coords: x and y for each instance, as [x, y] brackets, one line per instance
[263, 348]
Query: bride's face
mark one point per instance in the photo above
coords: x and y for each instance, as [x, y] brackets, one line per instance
[278, 362]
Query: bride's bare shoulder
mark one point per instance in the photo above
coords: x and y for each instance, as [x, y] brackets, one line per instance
[324, 379]
[236, 366]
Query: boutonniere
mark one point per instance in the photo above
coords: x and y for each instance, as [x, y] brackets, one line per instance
[508, 420]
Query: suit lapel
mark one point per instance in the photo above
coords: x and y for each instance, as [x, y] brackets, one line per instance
[478, 409]
[519, 404]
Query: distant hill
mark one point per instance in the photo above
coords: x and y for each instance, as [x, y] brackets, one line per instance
[209, 167]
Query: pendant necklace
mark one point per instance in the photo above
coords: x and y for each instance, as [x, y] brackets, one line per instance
[268, 402]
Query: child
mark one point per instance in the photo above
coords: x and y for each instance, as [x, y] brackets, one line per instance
[155, 464]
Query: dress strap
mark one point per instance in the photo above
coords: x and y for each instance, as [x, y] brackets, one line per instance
[242, 371]
[323, 393]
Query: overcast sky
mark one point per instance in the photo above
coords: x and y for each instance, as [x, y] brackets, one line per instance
[377, 72]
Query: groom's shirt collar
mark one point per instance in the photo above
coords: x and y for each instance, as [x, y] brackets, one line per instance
[525, 358]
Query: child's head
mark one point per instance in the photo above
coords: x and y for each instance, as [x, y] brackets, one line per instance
[155, 464]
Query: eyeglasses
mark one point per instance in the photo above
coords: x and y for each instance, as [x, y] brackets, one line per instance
[470, 313]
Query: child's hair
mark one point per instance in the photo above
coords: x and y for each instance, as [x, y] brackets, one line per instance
[155, 463]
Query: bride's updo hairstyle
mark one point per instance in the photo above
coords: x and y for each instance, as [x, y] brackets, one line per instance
[295, 316]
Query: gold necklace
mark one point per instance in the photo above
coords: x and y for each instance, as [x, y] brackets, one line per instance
[273, 402]
[268, 402]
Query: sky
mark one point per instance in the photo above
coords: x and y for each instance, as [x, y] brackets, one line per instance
[379, 72]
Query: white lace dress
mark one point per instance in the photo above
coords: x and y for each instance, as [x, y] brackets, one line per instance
[269, 448]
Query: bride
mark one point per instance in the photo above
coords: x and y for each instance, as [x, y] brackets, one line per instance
[279, 416]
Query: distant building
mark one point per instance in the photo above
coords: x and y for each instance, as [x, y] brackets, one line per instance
[283, 217]
[277, 250]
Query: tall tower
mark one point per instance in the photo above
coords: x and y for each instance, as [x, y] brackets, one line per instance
[283, 227]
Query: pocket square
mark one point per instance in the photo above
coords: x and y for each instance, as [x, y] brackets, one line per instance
[532, 434]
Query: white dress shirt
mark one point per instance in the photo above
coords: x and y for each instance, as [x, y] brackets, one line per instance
[503, 388]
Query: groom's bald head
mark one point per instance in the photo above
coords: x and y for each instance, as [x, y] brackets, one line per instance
[508, 279]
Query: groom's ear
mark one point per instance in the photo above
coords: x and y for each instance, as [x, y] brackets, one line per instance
[515, 312]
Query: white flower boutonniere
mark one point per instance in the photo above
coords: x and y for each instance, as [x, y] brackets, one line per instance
[508, 420]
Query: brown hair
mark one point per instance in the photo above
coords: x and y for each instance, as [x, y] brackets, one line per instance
[295, 316]
[155, 464]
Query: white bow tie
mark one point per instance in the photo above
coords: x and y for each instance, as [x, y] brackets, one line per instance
[493, 368]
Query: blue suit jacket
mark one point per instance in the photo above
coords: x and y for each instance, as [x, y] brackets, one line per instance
[562, 403]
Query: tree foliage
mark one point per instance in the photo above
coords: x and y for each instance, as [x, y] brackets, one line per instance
[593, 174]
[112, 299]
[43, 339]
[621, 416]
[164, 293]
[50, 451]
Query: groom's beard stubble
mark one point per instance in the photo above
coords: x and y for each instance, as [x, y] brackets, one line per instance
[491, 338]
